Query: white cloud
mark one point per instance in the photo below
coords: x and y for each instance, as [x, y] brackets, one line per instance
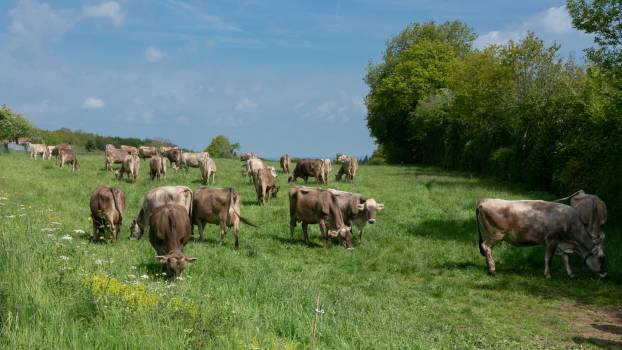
[32, 22]
[342, 109]
[110, 10]
[555, 20]
[211, 20]
[245, 104]
[154, 55]
[93, 103]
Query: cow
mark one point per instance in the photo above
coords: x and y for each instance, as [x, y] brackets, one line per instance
[68, 156]
[147, 152]
[328, 168]
[155, 198]
[284, 161]
[254, 164]
[357, 210]
[306, 168]
[57, 148]
[133, 150]
[157, 167]
[173, 154]
[107, 206]
[557, 226]
[220, 206]
[247, 155]
[48, 152]
[264, 185]
[131, 166]
[349, 166]
[37, 149]
[208, 169]
[318, 206]
[592, 209]
[169, 231]
[190, 159]
[115, 156]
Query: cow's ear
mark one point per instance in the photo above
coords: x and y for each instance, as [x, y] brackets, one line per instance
[360, 206]
[190, 258]
[162, 258]
[380, 206]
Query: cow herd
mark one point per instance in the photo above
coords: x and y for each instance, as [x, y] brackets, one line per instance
[568, 225]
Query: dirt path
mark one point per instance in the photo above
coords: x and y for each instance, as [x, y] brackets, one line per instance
[600, 327]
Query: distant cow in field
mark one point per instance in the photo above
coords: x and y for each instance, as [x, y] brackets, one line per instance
[207, 166]
[306, 168]
[220, 206]
[254, 164]
[349, 167]
[107, 206]
[318, 206]
[169, 231]
[115, 156]
[531, 222]
[133, 150]
[56, 150]
[48, 152]
[328, 168]
[173, 154]
[37, 149]
[147, 152]
[68, 156]
[157, 167]
[190, 159]
[264, 185]
[284, 161]
[131, 166]
[247, 155]
[158, 197]
[357, 210]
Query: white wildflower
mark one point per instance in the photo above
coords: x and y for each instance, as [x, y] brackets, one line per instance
[319, 311]
[79, 231]
[22, 215]
[99, 261]
[131, 276]
[10, 216]
[54, 223]
[133, 267]
[67, 238]
[144, 277]
[3, 198]
[49, 229]
[62, 257]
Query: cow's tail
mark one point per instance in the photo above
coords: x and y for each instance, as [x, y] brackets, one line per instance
[479, 231]
[116, 203]
[232, 211]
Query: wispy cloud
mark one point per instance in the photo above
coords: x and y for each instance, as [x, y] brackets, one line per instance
[93, 103]
[211, 20]
[154, 55]
[245, 104]
[110, 10]
[341, 109]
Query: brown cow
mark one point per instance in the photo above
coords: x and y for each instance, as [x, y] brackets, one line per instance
[247, 155]
[107, 206]
[57, 148]
[264, 185]
[592, 210]
[131, 166]
[220, 206]
[306, 168]
[531, 222]
[318, 206]
[208, 170]
[37, 149]
[133, 150]
[147, 152]
[357, 209]
[169, 231]
[285, 163]
[190, 159]
[48, 152]
[254, 164]
[158, 197]
[115, 156]
[173, 154]
[68, 156]
[157, 167]
[349, 166]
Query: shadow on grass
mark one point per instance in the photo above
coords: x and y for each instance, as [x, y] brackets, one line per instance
[601, 343]
[295, 242]
[446, 230]
[609, 328]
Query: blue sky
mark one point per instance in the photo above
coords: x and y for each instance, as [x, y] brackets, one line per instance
[276, 76]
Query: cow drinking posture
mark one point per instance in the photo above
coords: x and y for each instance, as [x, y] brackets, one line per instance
[284, 161]
[107, 206]
[531, 222]
[68, 156]
[264, 185]
[207, 166]
[131, 166]
[157, 167]
[169, 231]
[357, 210]
[220, 206]
[156, 198]
[317, 206]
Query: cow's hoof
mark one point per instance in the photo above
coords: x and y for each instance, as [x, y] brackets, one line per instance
[492, 273]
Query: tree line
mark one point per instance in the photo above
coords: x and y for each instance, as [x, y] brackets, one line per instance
[518, 111]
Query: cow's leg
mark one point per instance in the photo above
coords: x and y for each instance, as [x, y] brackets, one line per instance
[487, 246]
[306, 179]
[201, 227]
[566, 260]
[360, 236]
[305, 232]
[324, 233]
[236, 232]
[223, 230]
[549, 251]
[95, 229]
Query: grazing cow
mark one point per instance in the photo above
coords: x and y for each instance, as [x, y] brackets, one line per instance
[115, 156]
[173, 154]
[357, 210]
[133, 150]
[308, 167]
[107, 206]
[531, 222]
[328, 168]
[147, 152]
[169, 231]
[318, 206]
[68, 156]
[254, 164]
[155, 198]
[592, 210]
[349, 166]
[131, 166]
[264, 185]
[285, 163]
[220, 206]
[37, 149]
[247, 155]
[189, 159]
[57, 148]
[157, 167]
[208, 169]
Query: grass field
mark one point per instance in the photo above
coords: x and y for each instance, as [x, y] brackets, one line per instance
[417, 283]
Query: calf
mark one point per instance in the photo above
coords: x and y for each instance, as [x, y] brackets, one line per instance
[157, 167]
[169, 231]
[306, 168]
[220, 206]
[318, 206]
[131, 166]
[208, 169]
[264, 185]
[38, 149]
[530, 222]
[284, 161]
[68, 156]
[357, 210]
[158, 197]
[107, 206]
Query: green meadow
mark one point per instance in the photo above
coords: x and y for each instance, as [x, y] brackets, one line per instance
[418, 282]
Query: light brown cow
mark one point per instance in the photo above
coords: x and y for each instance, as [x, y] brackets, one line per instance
[48, 152]
[115, 156]
[247, 155]
[190, 159]
[357, 210]
[254, 164]
[531, 222]
[328, 168]
[155, 198]
[169, 231]
[173, 154]
[131, 166]
[157, 167]
[57, 148]
[592, 210]
[349, 167]
[306, 168]
[147, 152]
[133, 150]
[264, 185]
[220, 206]
[208, 170]
[68, 156]
[107, 206]
[318, 206]
[284, 161]
[37, 149]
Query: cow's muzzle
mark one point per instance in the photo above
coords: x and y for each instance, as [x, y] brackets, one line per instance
[371, 221]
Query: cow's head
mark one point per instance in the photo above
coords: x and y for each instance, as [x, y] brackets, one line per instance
[596, 261]
[274, 190]
[272, 170]
[369, 208]
[345, 235]
[136, 232]
[290, 178]
[175, 262]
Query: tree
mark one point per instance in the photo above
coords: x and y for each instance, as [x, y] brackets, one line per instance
[221, 147]
[13, 125]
